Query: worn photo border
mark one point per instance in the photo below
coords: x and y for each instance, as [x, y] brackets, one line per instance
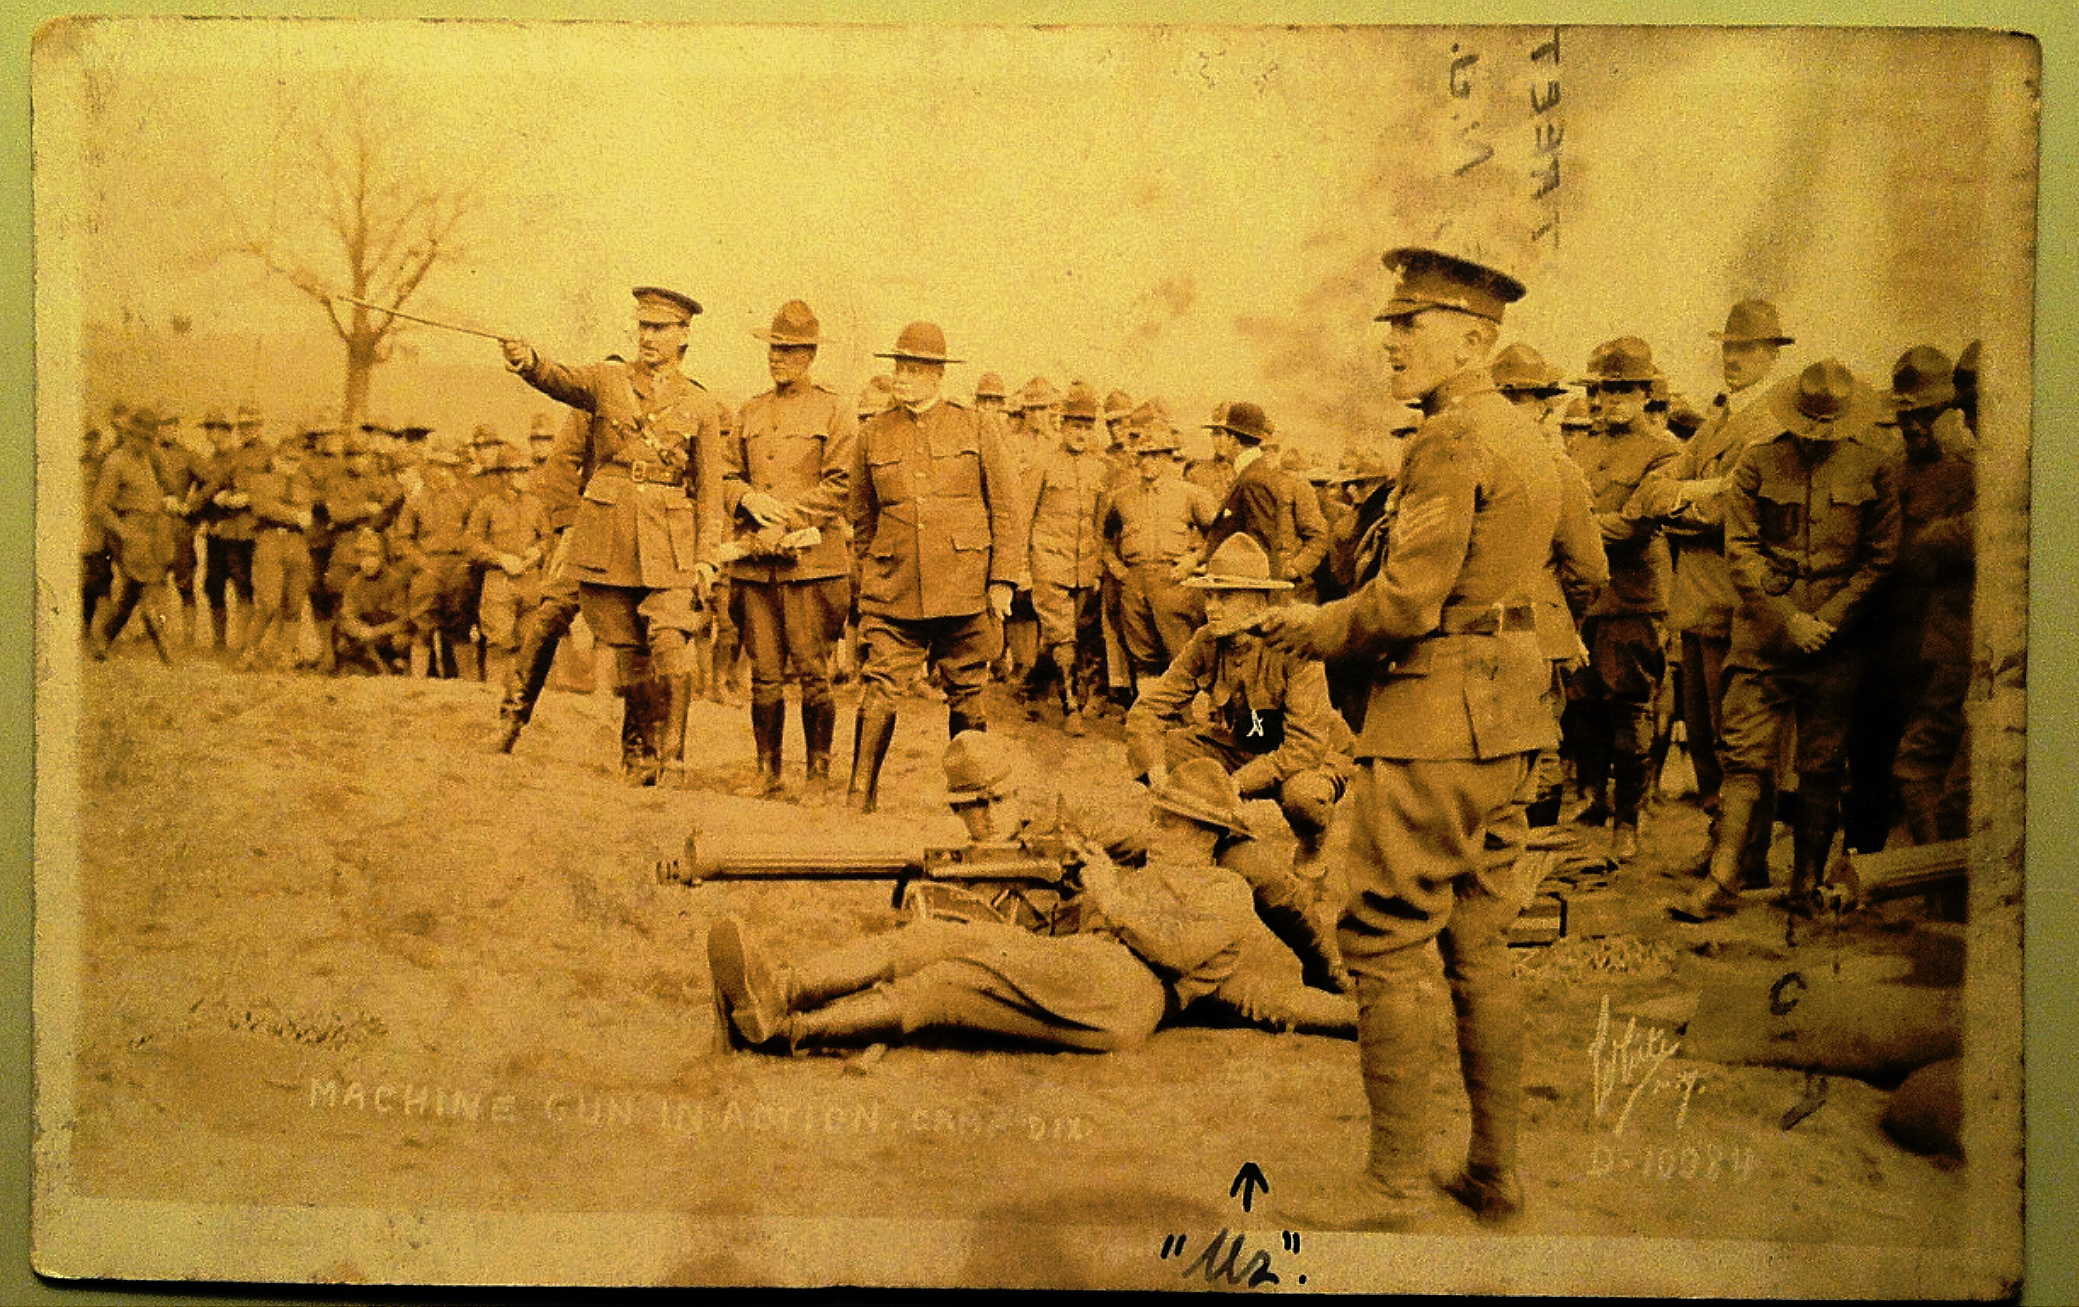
[2052, 912]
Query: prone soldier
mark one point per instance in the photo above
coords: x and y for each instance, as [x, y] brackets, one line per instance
[644, 483]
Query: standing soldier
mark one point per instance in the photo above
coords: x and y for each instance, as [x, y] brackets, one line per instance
[433, 541]
[1265, 500]
[645, 485]
[227, 565]
[1457, 714]
[786, 484]
[542, 632]
[989, 394]
[184, 478]
[96, 569]
[1610, 725]
[284, 502]
[935, 526]
[135, 514]
[1119, 409]
[1811, 527]
[1154, 535]
[508, 536]
[355, 498]
[1064, 553]
[1930, 650]
[1687, 495]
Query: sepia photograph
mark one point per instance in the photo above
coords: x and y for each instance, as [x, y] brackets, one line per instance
[1328, 659]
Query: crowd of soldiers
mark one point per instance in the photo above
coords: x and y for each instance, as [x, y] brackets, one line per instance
[1528, 582]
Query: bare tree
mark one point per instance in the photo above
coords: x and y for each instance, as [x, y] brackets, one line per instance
[362, 208]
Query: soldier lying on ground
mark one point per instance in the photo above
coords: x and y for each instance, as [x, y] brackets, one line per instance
[1178, 936]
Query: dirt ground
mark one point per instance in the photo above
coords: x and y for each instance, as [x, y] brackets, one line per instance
[335, 951]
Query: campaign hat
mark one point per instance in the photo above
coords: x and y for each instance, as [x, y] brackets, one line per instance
[1814, 406]
[657, 304]
[541, 427]
[1576, 417]
[1201, 789]
[991, 387]
[1753, 322]
[1435, 279]
[214, 420]
[1038, 393]
[1080, 402]
[1118, 406]
[1923, 378]
[1521, 370]
[443, 453]
[1238, 564]
[248, 416]
[795, 324]
[485, 434]
[979, 765]
[1625, 359]
[1242, 419]
[923, 342]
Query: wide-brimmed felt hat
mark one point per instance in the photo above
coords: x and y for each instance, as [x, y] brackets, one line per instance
[1118, 406]
[1436, 279]
[922, 342]
[1521, 370]
[990, 387]
[978, 766]
[1753, 322]
[214, 420]
[1923, 378]
[794, 325]
[1201, 789]
[1038, 393]
[1626, 359]
[1080, 402]
[1576, 417]
[1242, 419]
[657, 304]
[1813, 407]
[1238, 564]
[485, 434]
[248, 416]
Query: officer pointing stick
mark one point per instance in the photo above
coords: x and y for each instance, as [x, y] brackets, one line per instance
[638, 490]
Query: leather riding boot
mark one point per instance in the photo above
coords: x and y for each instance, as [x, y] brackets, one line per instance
[1071, 703]
[674, 694]
[1818, 816]
[530, 672]
[769, 733]
[1738, 801]
[1487, 1001]
[870, 1016]
[872, 730]
[638, 749]
[818, 728]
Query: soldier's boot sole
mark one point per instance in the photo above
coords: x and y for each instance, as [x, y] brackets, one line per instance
[754, 997]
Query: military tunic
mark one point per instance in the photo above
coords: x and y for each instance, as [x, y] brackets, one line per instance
[1813, 538]
[934, 524]
[130, 505]
[1064, 550]
[798, 447]
[1147, 530]
[1268, 503]
[284, 505]
[501, 525]
[639, 487]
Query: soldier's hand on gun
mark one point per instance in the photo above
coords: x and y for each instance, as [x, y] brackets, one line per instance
[1808, 633]
[763, 508]
[1000, 594]
[518, 353]
[1290, 628]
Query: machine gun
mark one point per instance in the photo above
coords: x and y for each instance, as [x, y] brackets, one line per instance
[1027, 883]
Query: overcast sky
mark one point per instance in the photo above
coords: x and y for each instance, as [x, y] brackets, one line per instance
[1192, 211]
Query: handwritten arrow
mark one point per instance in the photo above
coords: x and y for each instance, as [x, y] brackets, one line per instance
[1246, 1182]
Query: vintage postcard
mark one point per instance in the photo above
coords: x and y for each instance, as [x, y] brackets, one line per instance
[952, 656]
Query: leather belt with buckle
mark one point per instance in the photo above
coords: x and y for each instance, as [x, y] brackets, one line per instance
[654, 474]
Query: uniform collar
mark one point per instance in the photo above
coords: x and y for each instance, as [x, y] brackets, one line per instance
[1248, 455]
[919, 410]
[1456, 389]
